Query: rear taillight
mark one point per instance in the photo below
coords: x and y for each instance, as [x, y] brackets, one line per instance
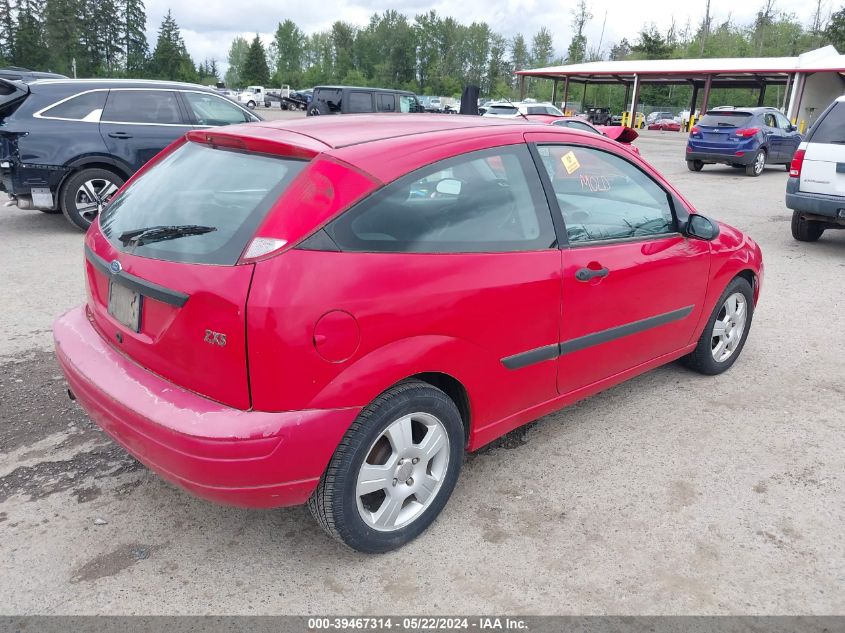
[694, 131]
[796, 164]
[747, 132]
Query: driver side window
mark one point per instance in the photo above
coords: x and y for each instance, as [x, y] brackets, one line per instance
[604, 197]
[485, 201]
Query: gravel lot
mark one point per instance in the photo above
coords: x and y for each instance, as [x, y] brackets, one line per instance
[671, 494]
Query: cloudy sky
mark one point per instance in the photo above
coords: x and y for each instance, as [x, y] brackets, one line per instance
[209, 26]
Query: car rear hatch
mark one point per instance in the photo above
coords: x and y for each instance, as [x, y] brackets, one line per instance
[823, 169]
[717, 130]
[12, 94]
[166, 281]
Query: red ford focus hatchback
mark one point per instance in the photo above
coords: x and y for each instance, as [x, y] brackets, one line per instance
[333, 310]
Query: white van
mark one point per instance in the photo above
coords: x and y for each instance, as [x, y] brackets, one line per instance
[815, 190]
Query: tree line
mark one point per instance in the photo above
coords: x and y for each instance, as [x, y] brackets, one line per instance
[428, 53]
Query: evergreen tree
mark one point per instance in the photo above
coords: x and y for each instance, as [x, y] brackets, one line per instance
[289, 49]
[542, 48]
[577, 52]
[237, 59]
[519, 56]
[111, 35]
[255, 71]
[28, 48]
[7, 32]
[834, 33]
[170, 59]
[62, 32]
[135, 46]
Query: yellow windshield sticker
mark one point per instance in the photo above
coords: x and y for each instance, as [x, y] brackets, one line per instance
[570, 163]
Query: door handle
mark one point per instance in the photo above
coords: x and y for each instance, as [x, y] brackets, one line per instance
[585, 274]
[120, 135]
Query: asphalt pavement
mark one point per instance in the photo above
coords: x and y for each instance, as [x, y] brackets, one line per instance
[671, 494]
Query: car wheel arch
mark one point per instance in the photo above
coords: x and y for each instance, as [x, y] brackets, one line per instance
[92, 163]
[425, 358]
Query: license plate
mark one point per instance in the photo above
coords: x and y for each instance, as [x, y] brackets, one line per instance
[125, 306]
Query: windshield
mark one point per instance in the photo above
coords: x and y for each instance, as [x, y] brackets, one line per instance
[227, 192]
[725, 119]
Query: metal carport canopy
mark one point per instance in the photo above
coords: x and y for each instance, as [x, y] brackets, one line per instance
[708, 73]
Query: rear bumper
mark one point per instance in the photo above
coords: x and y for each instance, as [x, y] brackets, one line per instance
[727, 157]
[815, 203]
[244, 458]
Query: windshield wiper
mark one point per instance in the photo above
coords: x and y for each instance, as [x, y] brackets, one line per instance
[149, 234]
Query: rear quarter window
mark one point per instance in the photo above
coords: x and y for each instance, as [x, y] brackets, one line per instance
[78, 108]
[831, 127]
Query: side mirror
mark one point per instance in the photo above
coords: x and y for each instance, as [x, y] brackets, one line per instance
[702, 228]
[792, 128]
[449, 187]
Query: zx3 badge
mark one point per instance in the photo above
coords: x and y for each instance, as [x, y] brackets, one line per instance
[215, 338]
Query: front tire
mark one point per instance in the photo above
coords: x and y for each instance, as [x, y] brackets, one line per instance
[393, 471]
[695, 165]
[755, 168]
[805, 230]
[726, 331]
[85, 193]
[250, 105]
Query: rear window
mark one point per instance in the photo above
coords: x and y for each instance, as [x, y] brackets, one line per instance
[831, 128]
[501, 110]
[225, 190]
[726, 119]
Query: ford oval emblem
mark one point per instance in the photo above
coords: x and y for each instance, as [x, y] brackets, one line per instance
[115, 267]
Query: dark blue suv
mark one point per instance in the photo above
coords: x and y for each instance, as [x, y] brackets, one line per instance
[66, 146]
[748, 138]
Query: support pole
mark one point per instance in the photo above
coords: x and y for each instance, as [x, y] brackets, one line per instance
[693, 101]
[707, 84]
[632, 122]
[786, 93]
[584, 98]
[762, 96]
[554, 91]
[565, 93]
[627, 94]
[521, 87]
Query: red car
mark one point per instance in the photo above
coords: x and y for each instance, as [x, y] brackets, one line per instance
[667, 125]
[620, 134]
[333, 310]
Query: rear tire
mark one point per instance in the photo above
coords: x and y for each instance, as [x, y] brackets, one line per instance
[695, 165]
[805, 230]
[756, 167]
[412, 432]
[84, 194]
[722, 327]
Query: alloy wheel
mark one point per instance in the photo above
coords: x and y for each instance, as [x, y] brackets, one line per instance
[92, 195]
[759, 162]
[403, 472]
[729, 327]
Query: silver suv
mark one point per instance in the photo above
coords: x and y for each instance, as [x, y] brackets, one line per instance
[815, 190]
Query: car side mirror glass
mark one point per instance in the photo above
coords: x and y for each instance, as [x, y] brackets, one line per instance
[449, 187]
[702, 227]
[792, 128]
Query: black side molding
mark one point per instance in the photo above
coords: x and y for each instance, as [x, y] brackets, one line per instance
[635, 327]
[142, 286]
[518, 361]
[549, 352]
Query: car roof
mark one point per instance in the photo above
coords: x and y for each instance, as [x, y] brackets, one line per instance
[114, 83]
[355, 129]
[362, 88]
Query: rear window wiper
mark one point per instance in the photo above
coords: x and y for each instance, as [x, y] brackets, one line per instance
[149, 234]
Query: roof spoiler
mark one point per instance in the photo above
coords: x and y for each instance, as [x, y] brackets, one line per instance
[11, 93]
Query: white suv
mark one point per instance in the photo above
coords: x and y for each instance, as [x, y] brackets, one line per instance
[815, 190]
